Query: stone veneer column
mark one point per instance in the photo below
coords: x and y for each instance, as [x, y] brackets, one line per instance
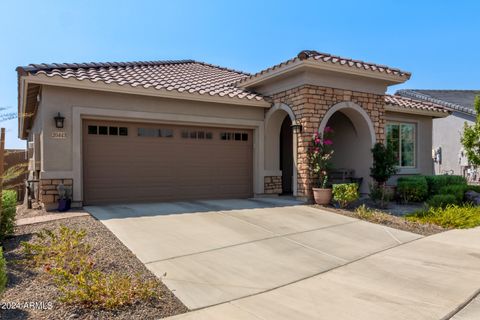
[48, 191]
[273, 185]
[310, 103]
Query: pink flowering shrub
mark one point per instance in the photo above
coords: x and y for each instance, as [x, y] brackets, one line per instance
[319, 154]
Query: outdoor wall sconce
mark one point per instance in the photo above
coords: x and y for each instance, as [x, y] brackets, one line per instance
[296, 128]
[59, 121]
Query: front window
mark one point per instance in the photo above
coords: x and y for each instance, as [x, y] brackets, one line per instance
[401, 137]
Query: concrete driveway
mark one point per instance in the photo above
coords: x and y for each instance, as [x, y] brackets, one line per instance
[214, 252]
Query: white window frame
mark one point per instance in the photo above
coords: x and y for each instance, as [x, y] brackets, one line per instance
[399, 123]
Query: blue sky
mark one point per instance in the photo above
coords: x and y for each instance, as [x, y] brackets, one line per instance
[438, 41]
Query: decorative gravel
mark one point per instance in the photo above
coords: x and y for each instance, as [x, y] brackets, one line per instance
[389, 220]
[24, 212]
[30, 286]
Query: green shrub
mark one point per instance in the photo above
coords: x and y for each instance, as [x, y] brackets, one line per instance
[345, 193]
[436, 183]
[3, 272]
[475, 188]
[452, 179]
[64, 249]
[8, 210]
[453, 216]
[457, 190]
[99, 290]
[384, 163]
[413, 188]
[66, 257]
[441, 200]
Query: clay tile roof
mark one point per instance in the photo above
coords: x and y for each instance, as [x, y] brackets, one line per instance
[408, 103]
[321, 57]
[186, 76]
[458, 100]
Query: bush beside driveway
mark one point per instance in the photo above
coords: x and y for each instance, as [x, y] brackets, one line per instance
[28, 284]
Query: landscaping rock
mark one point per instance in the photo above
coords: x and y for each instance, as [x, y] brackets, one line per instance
[473, 197]
[30, 285]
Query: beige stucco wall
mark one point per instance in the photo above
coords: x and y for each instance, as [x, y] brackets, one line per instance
[58, 99]
[322, 78]
[446, 134]
[61, 156]
[423, 147]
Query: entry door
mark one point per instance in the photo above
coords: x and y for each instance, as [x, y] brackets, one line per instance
[286, 155]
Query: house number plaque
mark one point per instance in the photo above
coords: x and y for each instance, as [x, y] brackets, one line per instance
[59, 135]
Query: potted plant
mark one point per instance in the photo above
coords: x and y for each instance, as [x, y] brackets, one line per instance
[64, 198]
[320, 154]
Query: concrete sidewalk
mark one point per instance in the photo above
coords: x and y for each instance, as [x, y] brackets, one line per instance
[428, 278]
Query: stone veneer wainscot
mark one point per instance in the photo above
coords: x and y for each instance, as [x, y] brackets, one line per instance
[273, 185]
[48, 191]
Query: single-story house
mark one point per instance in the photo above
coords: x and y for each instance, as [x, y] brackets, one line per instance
[182, 130]
[450, 157]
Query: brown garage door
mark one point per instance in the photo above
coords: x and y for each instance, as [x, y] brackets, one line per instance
[133, 162]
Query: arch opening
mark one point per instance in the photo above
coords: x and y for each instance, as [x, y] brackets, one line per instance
[281, 147]
[353, 137]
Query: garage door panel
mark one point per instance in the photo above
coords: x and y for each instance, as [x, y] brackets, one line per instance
[140, 168]
[200, 172]
[221, 183]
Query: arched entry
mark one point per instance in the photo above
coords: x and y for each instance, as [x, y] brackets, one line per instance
[353, 139]
[281, 147]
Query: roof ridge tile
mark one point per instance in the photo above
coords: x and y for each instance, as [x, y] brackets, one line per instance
[32, 68]
[329, 58]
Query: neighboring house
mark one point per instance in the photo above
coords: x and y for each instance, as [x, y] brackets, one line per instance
[183, 130]
[448, 131]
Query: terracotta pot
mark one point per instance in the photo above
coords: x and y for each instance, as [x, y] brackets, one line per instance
[322, 196]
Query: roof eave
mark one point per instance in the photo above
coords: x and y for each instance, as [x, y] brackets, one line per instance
[428, 113]
[113, 87]
[391, 78]
[297, 64]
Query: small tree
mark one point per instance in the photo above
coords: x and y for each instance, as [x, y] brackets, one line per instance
[384, 166]
[471, 137]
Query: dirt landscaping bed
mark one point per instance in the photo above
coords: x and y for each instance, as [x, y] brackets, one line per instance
[24, 212]
[397, 222]
[27, 285]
